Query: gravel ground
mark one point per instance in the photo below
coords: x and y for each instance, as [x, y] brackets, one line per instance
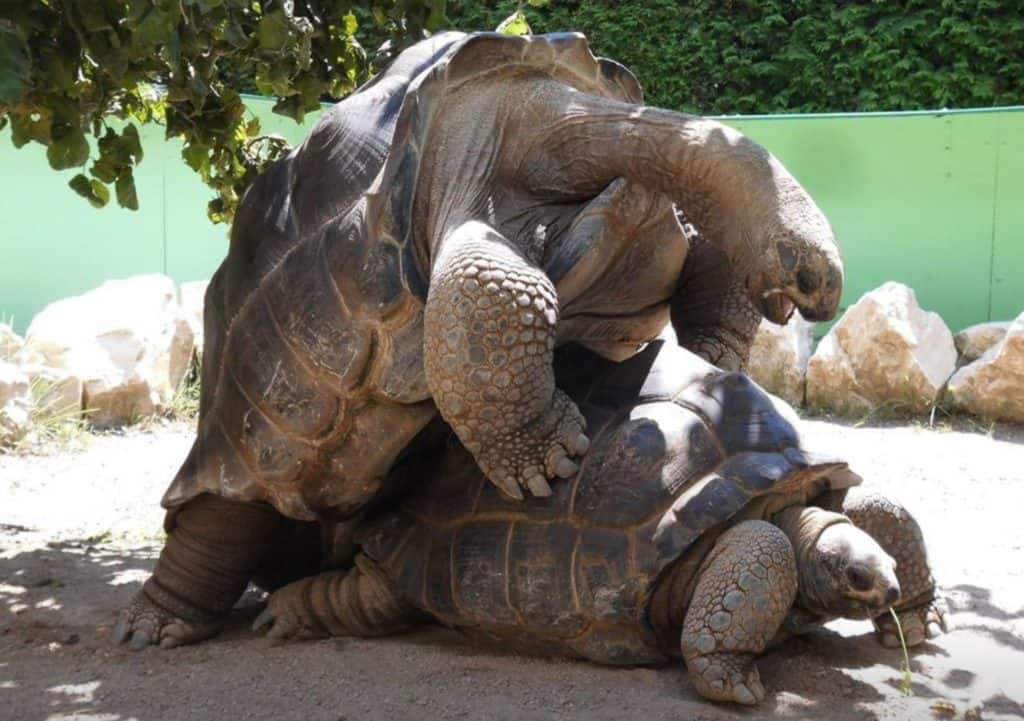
[79, 531]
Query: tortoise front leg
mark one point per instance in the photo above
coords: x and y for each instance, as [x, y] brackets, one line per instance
[711, 314]
[920, 609]
[745, 588]
[489, 334]
[361, 601]
[210, 555]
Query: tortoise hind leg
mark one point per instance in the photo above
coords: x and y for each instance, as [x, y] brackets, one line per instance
[920, 609]
[745, 588]
[210, 555]
[361, 601]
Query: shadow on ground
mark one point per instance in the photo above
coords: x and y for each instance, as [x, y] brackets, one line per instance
[60, 601]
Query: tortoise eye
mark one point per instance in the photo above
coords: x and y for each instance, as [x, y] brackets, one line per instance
[806, 281]
[859, 579]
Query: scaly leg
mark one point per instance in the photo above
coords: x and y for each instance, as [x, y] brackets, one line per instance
[359, 602]
[210, 555]
[711, 313]
[745, 588]
[920, 609]
[489, 337]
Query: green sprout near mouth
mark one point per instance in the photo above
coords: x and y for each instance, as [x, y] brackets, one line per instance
[906, 685]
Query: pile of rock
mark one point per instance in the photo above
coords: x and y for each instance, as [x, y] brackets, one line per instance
[120, 351]
[887, 352]
[113, 354]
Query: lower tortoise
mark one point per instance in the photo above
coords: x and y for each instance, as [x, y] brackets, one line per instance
[697, 527]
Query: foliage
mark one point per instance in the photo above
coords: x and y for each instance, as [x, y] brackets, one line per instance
[763, 56]
[75, 69]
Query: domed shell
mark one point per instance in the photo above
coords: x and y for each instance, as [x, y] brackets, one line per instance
[323, 288]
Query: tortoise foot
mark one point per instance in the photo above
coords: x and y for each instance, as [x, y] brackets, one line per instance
[287, 614]
[727, 677]
[143, 623]
[919, 623]
[527, 457]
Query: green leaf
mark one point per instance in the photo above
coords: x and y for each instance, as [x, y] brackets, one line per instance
[71, 150]
[537, 3]
[124, 187]
[514, 24]
[130, 136]
[197, 157]
[92, 190]
[15, 67]
[272, 32]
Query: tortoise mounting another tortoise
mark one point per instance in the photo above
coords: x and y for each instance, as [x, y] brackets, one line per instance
[482, 200]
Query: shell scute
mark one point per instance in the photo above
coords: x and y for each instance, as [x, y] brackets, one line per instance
[320, 328]
[478, 565]
[662, 441]
[602, 568]
[743, 417]
[272, 377]
[540, 576]
[437, 584]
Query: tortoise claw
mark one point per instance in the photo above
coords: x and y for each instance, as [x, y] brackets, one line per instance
[538, 486]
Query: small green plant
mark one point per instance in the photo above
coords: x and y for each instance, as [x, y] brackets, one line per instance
[54, 421]
[185, 403]
[907, 683]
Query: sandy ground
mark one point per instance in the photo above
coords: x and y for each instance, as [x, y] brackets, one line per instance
[80, 531]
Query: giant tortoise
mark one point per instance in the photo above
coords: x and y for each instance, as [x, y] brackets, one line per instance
[697, 526]
[481, 201]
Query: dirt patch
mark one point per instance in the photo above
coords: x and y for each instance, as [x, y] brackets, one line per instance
[80, 531]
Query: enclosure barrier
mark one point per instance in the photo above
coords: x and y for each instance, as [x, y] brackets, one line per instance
[932, 199]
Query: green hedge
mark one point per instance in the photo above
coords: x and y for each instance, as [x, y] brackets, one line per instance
[765, 56]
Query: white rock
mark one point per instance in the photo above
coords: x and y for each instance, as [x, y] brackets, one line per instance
[778, 358]
[993, 385]
[884, 351]
[10, 342]
[126, 340]
[192, 295]
[972, 342]
[15, 403]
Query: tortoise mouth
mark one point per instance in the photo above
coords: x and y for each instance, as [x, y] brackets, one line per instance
[777, 306]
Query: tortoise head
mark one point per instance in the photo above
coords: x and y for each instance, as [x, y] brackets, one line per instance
[799, 266]
[846, 573]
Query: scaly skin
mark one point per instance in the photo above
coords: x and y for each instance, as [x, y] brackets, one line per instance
[358, 602]
[747, 586]
[209, 558]
[920, 609]
[712, 316]
[489, 330]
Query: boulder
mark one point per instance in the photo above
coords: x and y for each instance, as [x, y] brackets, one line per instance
[972, 342]
[15, 403]
[10, 342]
[126, 340]
[993, 385]
[778, 358]
[884, 351]
[56, 392]
[192, 295]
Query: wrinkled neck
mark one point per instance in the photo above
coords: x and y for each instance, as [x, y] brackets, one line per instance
[803, 525]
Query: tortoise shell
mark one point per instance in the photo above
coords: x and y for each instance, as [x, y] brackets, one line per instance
[312, 377]
[680, 450]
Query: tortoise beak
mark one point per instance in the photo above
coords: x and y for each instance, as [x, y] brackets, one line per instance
[777, 306]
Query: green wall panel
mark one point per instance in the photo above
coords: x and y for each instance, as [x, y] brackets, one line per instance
[1008, 231]
[53, 244]
[934, 200]
[910, 196]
